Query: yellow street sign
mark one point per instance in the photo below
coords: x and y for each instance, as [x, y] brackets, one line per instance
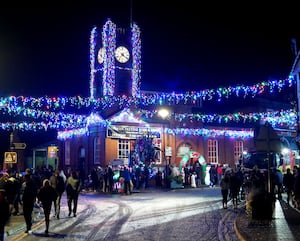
[10, 157]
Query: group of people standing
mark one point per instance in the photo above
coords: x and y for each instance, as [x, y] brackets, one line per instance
[33, 189]
[291, 183]
[234, 183]
[230, 184]
[119, 179]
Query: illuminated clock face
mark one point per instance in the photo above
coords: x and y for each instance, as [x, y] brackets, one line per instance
[122, 54]
[100, 56]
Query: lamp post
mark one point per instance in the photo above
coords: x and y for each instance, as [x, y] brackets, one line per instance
[164, 113]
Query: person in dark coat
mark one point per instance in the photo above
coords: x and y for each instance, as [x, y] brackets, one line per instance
[95, 179]
[105, 180]
[17, 199]
[110, 174]
[127, 179]
[73, 190]
[225, 185]
[213, 176]
[288, 182]
[28, 198]
[46, 195]
[5, 213]
[296, 198]
[234, 186]
[58, 183]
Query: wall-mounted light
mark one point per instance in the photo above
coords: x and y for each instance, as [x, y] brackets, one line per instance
[284, 151]
[163, 113]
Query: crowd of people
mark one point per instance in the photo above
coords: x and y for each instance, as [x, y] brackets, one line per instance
[46, 187]
[36, 189]
[238, 183]
[121, 179]
[20, 192]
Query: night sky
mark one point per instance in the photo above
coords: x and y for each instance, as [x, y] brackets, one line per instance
[185, 45]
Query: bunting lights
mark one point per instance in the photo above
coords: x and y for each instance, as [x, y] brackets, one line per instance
[241, 134]
[58, 112]
[191, 98]
[77, 125]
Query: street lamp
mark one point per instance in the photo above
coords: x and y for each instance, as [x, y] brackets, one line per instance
[164, 113]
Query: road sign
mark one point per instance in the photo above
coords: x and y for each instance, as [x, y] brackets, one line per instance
[19, 145]
[10, 157]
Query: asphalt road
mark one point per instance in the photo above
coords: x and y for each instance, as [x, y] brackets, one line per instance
[181, 214]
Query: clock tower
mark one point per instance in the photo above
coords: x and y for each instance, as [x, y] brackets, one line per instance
[115, 61]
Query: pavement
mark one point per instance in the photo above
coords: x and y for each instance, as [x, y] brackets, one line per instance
[17, 224]
[285, 224]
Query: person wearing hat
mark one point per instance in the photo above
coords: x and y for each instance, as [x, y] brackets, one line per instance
[5, 213]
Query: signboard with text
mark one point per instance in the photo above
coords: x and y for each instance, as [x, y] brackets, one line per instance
[131, 132]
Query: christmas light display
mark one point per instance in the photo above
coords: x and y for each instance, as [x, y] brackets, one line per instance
[193, 97]
[58, 113]
[136, 60]
[92, 62]
[54, 112]
[109, 44]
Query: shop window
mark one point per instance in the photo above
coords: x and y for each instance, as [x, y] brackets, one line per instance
[212, 148]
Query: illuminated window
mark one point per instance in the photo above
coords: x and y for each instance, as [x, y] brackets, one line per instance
[97, 143]
[238, 150]
[212, 151]
[124, 149]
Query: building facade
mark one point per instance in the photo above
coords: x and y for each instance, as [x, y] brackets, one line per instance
[122, 130]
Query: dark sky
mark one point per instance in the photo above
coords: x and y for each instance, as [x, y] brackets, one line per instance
[185, 45]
